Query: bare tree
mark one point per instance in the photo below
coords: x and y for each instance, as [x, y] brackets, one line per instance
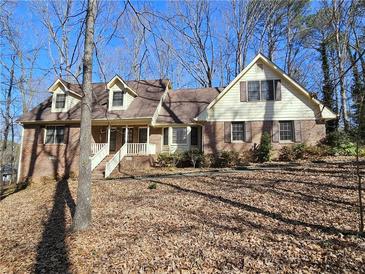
[82, 218]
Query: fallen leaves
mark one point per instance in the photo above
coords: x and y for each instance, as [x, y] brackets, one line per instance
[296, 219]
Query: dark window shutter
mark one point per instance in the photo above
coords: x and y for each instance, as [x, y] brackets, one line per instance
[267, 127]
[66, 134]
[297, 131]
[275, 132]
[278, 90]
[227, 132]
[40, 134]
[248, 132]
[243, 91]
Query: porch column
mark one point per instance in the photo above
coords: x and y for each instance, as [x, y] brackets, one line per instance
[108, 141]
[126, 135]
[148, 134]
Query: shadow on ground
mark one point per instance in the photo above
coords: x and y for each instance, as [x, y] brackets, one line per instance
[52, 252]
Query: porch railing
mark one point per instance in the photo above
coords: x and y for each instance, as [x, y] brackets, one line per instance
[98, 155]
[140, 149]
[95, 147]
[112, 164]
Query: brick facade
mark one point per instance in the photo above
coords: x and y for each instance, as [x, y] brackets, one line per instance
[213, 136]
[39, 159]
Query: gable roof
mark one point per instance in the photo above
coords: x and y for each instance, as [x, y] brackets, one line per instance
[326, 113]
[183, 105]
[149, 93]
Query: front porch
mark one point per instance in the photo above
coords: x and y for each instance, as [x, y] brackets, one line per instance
[119, 142]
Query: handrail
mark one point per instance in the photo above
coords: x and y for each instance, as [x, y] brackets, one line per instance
[95, 147]
[112, 164]
[99, 156]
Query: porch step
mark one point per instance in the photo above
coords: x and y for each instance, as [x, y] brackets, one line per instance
[98, 172]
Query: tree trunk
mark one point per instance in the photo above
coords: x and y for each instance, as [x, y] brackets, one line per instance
[7, 121]
[82, 217]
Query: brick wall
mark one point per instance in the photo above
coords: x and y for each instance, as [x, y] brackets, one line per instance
[39, 159]
[213, 136]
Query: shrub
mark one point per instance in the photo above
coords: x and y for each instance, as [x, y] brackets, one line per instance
[286, 154]
[221, 159]
[194, 156]
[165, 160]
[263, 151]
[152, 186]
[340, 143]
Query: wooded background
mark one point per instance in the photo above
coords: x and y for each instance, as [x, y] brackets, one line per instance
[193, 43]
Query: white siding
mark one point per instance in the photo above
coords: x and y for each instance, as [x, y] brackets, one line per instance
[71, 101]
[127, 99]
[293, 105]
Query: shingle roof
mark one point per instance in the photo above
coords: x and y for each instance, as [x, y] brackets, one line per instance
[183, 105]
[143, 106]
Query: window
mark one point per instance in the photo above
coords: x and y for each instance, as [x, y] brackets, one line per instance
[267, 90]
[238, 131]
[179, 135]
[117, 98]
[60, 101]
[130, 135]
[166, 136]
[286, 130]
[55, 135]
[142, 135]
[194, 136]
[253, 90]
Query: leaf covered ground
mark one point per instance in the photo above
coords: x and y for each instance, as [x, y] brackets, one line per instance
[287, 219]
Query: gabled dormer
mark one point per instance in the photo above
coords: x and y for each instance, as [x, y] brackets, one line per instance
[63, 99]
[120, 94]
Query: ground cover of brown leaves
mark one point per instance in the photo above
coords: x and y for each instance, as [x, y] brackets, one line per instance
[295, 219]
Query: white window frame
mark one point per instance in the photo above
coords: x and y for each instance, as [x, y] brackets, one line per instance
[111, 95]
[54, 137]
[172, 136]
[54, 98]
[238, 141]
[260, 90]
[118, 91]
[292, 132]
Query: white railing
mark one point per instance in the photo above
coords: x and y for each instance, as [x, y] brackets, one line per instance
[112, 164]
[95, 147]
[140, 149]
[99, 155]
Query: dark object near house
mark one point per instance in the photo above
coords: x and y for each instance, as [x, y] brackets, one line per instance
[9, 173]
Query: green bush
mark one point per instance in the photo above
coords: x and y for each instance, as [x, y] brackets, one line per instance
[340, 143]
[194, 157]
[302, 151]
[152, 186]
[263, 152]
[286, 154]
[169, 160]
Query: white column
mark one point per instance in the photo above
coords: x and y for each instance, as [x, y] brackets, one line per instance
[126, 135]
[108, 138]
[148, 134]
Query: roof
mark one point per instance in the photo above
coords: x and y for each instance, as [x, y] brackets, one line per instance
[183, 105]
[143, 106]
[325, 111]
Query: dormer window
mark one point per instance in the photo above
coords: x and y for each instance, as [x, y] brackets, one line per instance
[60, 101]
[118, 98]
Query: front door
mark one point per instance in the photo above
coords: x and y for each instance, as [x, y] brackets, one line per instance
[142, 135]
[113, 140]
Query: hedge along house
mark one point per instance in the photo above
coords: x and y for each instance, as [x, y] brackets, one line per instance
[136, 120]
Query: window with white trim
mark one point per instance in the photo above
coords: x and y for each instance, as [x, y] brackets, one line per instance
[267, 90]
[238, 131]
[286, 131]
[55, 135]
[60, 101]
[179, 135]
[118, 97]
[253, 88]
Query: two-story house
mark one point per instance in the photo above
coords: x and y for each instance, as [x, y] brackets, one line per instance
[146, 117]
